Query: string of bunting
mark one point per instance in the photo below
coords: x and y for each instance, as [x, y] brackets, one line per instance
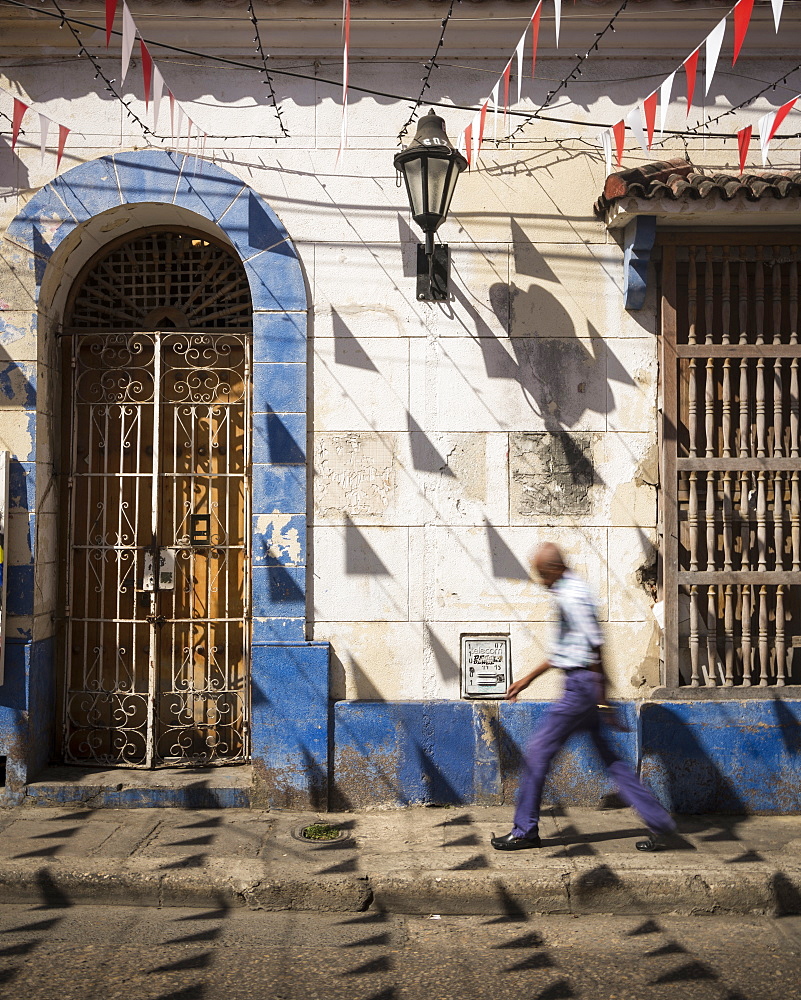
[641, 120]
[45, 121]
[153, 80]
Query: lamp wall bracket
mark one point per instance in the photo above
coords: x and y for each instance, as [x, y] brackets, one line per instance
[432, 276]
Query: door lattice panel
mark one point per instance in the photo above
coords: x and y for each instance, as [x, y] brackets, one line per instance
[162, 279]
[731, 460]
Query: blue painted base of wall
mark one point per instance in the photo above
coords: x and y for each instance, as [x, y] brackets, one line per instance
[732, 756]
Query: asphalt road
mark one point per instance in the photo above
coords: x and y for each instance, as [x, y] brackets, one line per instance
[103, 953]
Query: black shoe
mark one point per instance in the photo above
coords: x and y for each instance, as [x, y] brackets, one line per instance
[654, 842]
[512, 843]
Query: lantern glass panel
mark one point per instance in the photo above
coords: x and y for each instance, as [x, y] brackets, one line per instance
[438, 170]
[453, 176]
[414, 182]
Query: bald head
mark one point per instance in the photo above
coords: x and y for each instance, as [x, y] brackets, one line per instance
[547, 563]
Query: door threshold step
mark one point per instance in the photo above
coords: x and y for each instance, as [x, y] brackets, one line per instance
[128, 788]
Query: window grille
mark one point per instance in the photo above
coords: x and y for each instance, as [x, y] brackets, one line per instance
[731, 459]
[162, 279]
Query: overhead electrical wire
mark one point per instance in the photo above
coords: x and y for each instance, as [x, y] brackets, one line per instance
[429, 66]
[692, 132]
[268, 80]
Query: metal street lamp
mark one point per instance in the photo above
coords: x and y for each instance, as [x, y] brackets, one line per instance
[430, 166]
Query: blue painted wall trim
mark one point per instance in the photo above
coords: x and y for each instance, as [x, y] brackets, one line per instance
[734, 756]
[278, 293]
[638, 242]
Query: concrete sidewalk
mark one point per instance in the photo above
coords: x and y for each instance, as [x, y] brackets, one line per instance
[414, 860]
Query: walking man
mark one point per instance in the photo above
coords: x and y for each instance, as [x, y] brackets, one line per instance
[577, 651]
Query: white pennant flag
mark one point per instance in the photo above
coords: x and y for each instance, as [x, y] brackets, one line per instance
[777, 12]
[519, 51]
[714, 40]
[158, 90]
[495, 109]
[179, 123]
[557, 9]
[665, 92]
[765, 124]
[606, 142]
[128, 37]
[44, 125]
[634, 122]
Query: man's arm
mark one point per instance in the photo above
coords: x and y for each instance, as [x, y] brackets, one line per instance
[517, 686]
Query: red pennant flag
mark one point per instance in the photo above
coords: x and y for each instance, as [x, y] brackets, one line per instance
[620, 139]
[111, 11]
[63, 132]
[535, 34]
[16, 124]
[506, 75]
[690, 65]
[482, 117]
[649, 107]
[742, 18]
[781, 114]
[147, 71]
[468, 143]
[743, 142]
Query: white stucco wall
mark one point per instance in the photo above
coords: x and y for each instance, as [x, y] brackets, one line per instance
[429, 423]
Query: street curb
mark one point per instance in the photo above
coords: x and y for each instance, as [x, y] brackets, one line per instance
[594, 889]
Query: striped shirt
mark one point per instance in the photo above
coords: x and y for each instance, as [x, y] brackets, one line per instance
[578, 635]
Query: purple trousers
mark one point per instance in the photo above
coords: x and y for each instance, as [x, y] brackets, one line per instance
[578, 710]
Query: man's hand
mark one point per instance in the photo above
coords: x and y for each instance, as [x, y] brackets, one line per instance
[517, 686]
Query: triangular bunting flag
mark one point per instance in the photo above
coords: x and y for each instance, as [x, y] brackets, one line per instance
[535, 34]
[714, 40]
[172, 116]
[128, 36]
[482, 117]
[505, 77]
[16, 124]
[63, 132]
[111, 10]
[519, 54]
[781, 114]
[468, 144]
[649, 109]
[743, 142]
[343, 132]
[619, 131]
[476, 136]
[742, 18]
[634, 122]
[179, 124]
[690, 66]
[777, 12]
[665, 92]
[557, 10]
[764, 125]
[158, 90]
[606, 142]
[495, 110]
[44, 127]
[147, 71]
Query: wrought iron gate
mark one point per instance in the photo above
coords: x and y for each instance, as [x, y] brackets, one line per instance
[156, 596]
[731, 459]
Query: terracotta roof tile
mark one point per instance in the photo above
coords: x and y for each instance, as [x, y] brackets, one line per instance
[678, 180]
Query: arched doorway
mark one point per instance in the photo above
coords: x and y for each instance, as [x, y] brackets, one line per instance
[156, 428]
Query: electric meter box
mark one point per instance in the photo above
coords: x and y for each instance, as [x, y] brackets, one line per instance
[486, 666]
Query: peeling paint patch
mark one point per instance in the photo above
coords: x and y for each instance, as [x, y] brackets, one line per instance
[282, 542]
[551, 473]
[356, 472]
